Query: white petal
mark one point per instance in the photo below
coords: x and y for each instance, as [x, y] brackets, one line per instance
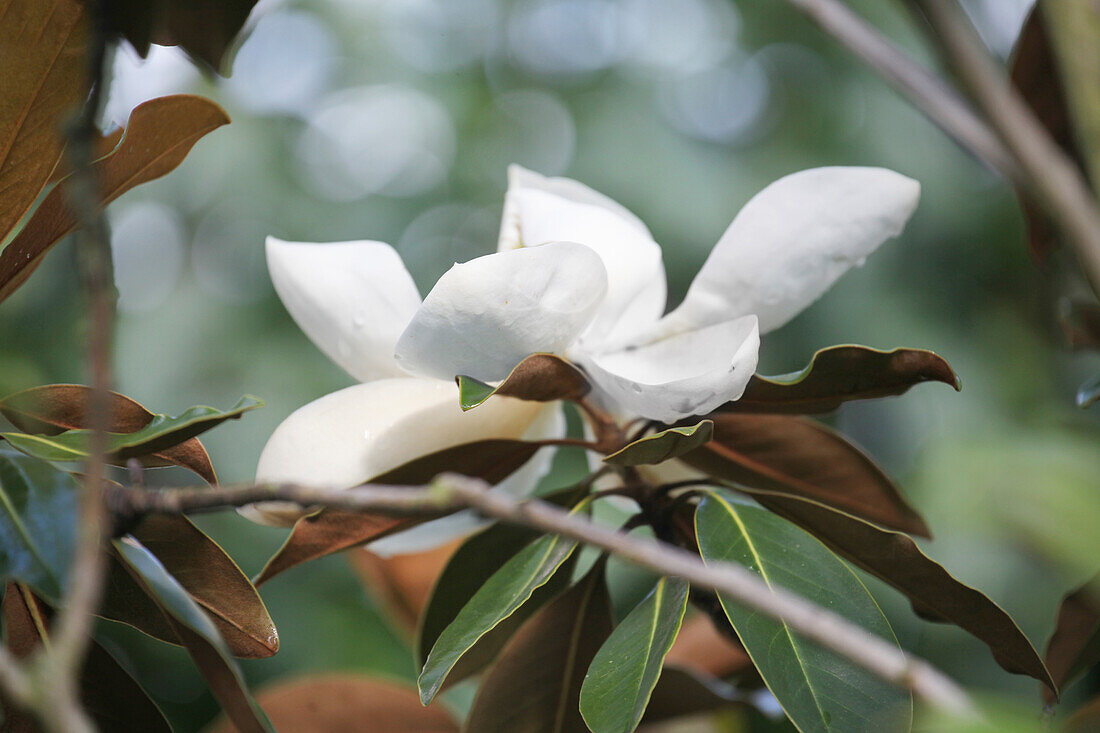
[675, 376]
[549, 424]
[484, 316]
[355, 434]
[352, 299]
[793, 240]
[539, 209]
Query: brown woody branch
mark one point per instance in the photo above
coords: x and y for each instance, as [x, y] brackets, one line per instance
[453, 492]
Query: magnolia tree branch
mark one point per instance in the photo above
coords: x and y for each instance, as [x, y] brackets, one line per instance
[453, 492]
[1050, 173]
[939, 102]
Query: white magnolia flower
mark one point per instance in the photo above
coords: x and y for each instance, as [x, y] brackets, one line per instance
[575, 274]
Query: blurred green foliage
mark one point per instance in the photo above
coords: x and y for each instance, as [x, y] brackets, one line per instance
[387, 120]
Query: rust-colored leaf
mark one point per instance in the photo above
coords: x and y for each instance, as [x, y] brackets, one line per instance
[701, 647]
[841, 374]
[115, 701]
[214, 581]
[345, 703]
[536, 681]
[203, 28]
[158, 137]
[42, 47]
[934, 593]
[330, 531]
[55, 408]
[403, 583]
[796, 456]
[538, 378]
[1075, 644]
[1085, 719]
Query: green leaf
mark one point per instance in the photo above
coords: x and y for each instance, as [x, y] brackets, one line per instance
[538, 378]
[1089, 393]
[621, 678]
[1073, 27]
[798, 457]
[38, 507]
[933, 592]
[198, 634]
[662, 446]
[839, 374]
[55, 408]
[111, 696]
[544, 663]
[161, 433]
[1074, 646]
[501, 596]
[819, 690]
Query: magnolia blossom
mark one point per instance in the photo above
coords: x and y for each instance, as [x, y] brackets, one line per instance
[575, 274]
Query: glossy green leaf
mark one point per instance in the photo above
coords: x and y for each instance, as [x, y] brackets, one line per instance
[840, 374]
[819, 690]
[1074, 646]
[536, 683]
[621, 678]
[896, 559]
[113, 699]
[662, 446]
[538, 378]
[795, 456]
[38, 507]
[161, 433]
[502, 595]
[198, 635]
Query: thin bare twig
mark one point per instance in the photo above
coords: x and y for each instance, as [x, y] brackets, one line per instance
[1049, 172]
[450, 491]
[939, 102]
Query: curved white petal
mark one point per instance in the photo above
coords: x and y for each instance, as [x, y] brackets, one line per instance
[484, 316]
[352, 435]
[538, 209]
[679, 375]
[793, 240]
[352, 299]
[549, 424]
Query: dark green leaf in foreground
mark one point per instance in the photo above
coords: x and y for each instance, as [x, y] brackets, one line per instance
[536, 682]
[1075, 644]
[840, 374]
[621, 678]
[55, 408]
[161, 433]
[799, 457]
[38, 505]
[662, 446]
[819, 690]
[501, 596]
[538, 378]
[198, 634]
[331, 530]
[895, 558]
[111, 696]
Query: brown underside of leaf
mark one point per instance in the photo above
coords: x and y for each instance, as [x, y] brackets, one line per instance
[214, 581]
[330, 531]
[158, 137]
[701, 647]
[42, 47]
[1075, 643]
[841, 374]
[55, 408]
[896, 559]
[535, 683]
[402, 583]
[345, 703]
[792, 455]
[116, 702]
[544, 378]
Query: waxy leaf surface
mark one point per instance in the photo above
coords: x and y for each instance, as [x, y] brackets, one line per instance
[622, 676]
[662, 446]
[819, 690]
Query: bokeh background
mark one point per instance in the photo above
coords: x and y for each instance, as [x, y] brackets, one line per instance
[395, 120]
